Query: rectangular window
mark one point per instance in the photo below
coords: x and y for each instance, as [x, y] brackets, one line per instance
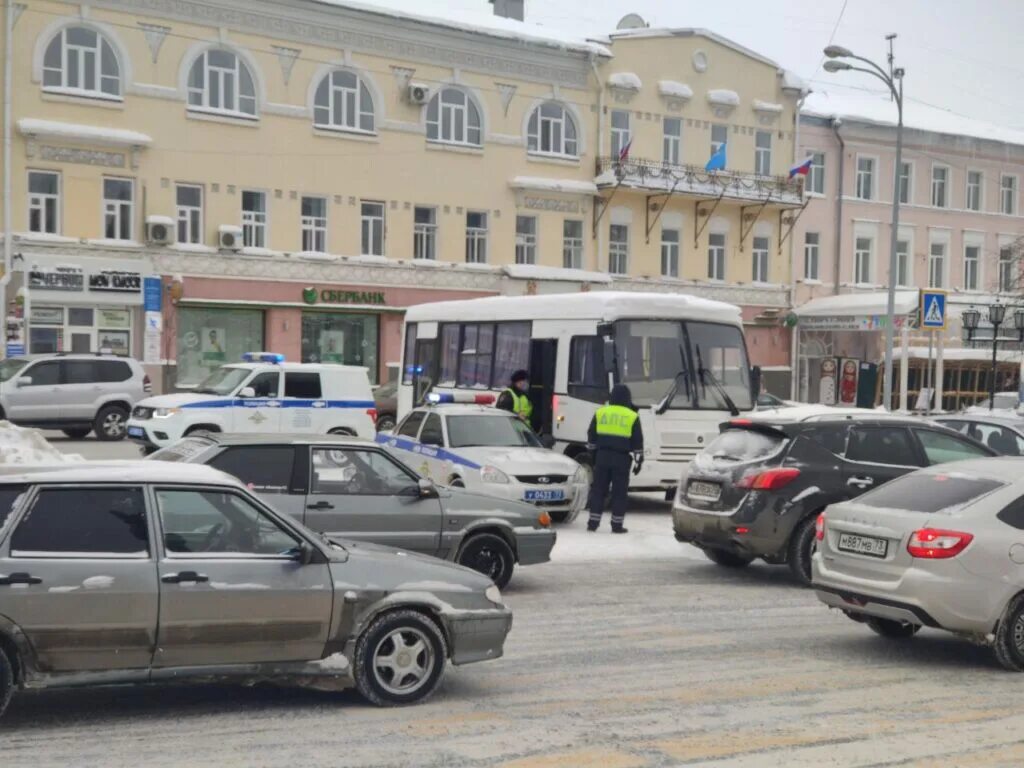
[763, 153]
[301, 385]
[409, 358]
[424, 233]
[511, 351]
[1006, 281]
[262, 468]
[373, 229]
[208, 337]
[476, 355]
[902, 262]
[670, 252]
[572, 244]
[450, 335]
[476, 237]
[1008, 195]
[940, 182]
[314, 224]
[672, 140]
[118, 201]
[190, 213]
[719, 136]
[44, 202]
[84, 522]
[816, 177]
[760, 259]
[621, 134]
[254, 219]
[716, 257]
[812, 254]
[526, 239]
[588, 379]
[975, 181]
[863, 255]
[618, 249]
[865, 178]
[972, 260]
[937, 265]
[906, 181]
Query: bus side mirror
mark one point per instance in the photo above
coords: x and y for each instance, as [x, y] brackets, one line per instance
[608, 353]
[755, 382]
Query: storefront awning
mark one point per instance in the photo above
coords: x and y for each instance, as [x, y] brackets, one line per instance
[856, 311]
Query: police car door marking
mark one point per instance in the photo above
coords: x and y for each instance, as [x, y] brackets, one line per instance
[405, 444]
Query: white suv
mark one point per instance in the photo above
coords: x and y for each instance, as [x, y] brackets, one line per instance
[76, 393]
[262, 394]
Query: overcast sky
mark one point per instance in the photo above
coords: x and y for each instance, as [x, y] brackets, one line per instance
[963, 57]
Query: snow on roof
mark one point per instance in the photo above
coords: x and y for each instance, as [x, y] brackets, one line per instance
[766, 106]
[723, 97]
[535, 272]
[573, 186]
[478, 19]
[93, 134]
[690, 32]
[960, 353]
[791, 81]
[874, 108]
[627, 81]
[126, 471]
[675, 89]
[157, 219]
[857, 304]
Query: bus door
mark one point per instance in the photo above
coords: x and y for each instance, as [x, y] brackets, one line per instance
[543, 356]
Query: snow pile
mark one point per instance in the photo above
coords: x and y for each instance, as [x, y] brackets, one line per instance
[675, 90]
[625, 81]
[723, 97]
[28, 447]
[56, 130]
[766, 106]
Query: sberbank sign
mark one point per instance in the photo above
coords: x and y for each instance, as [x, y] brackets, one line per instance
[313, 295]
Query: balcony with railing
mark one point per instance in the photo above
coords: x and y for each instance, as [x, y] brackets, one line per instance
[667, 178]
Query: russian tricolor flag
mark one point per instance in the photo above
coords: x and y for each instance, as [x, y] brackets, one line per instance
[801, 170]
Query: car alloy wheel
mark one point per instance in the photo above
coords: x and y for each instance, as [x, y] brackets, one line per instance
[111, 423]
[399, 658]
[402, 661]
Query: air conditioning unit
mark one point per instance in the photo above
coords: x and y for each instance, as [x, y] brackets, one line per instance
[229, 237]
[418, 93]
[159, 230]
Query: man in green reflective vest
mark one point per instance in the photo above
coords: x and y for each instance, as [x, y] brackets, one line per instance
[515, 398]
[618, 440]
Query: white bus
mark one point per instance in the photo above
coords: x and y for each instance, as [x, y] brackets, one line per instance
[684, 359]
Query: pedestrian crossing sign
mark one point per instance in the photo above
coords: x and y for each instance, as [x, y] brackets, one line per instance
[933, 310]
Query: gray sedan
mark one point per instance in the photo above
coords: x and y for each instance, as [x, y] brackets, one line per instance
[142, 572]
[347, 487]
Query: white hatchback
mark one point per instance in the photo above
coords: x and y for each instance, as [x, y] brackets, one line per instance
[262, 394]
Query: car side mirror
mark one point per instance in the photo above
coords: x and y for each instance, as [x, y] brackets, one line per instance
[548, 441]
[25, 381]
[303, 554]
[247, 392]
[755, 382]
[427, 488]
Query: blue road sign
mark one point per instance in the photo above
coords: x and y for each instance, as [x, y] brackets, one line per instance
[933, 310]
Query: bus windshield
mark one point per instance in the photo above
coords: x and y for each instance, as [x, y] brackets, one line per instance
[692, 361]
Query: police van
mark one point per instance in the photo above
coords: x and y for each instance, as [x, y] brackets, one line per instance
[263, 393]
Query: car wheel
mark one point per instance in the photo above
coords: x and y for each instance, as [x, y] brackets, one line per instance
[110, 423]
[727, 559]
[6, 681]
[898, 630]
[801, 547]
[490, 555]
[385, 423]
[559, 517]
[399, 659]
[76, 434]
[1009, 642]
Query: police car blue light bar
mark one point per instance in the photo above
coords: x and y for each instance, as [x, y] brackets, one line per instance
[439, 398]
[263, 357]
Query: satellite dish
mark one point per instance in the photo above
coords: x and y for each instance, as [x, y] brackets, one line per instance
[632, 21]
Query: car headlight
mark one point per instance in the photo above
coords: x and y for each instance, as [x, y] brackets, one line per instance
[581, 475]
[493, 594]
[163, 413]
[493, 475]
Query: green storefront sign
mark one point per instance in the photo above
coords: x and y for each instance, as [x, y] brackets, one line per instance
[313, 295]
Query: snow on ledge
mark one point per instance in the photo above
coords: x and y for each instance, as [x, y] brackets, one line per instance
[167, 221]
[250, 250]
[568, 186]
[674, 89]
[723, 97]
[117, 137]
[315, 256]
[369, 258]
[46, 237]
[192, 248]
[625, 81]
[767, 106]
[534, 272]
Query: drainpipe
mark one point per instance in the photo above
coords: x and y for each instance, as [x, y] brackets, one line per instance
[836, 123]
[599, 244]
[8, 227]
[794, 346]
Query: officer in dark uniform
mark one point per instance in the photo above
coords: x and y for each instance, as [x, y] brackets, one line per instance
[616, 434]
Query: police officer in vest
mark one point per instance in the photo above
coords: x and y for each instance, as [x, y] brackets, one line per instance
[515, 399]
[616, 434]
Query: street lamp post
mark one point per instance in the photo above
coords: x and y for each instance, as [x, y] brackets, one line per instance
[996, 316]
[894, 81]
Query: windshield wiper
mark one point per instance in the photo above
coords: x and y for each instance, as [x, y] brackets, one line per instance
[702, 372]
[670, 395]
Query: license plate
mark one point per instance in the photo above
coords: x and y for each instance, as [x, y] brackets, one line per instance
[701, 490]
[136, 432]
[551, 495]
[863, 545]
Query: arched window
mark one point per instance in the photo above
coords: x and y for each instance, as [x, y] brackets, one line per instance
[81, 59]
[343, 101]
[219, 80]
[552, 131]
[453, 118]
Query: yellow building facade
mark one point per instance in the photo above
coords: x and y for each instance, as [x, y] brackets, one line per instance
[291, 175]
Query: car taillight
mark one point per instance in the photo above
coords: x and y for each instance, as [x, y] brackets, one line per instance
[937, 544]
[769, 479]
[147, 385]
[372, 413]
[819, 527]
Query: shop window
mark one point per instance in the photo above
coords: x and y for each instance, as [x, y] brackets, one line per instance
[209, 337]
[341, 338]
[304, 386]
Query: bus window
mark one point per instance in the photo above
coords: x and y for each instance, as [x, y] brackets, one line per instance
[721, 350]
[650, 358]
[409, 372]
[477, 355]
[511, 352]
[449, 355]
[588, 379]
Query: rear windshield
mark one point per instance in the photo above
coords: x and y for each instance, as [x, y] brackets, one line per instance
[183, 450]
[929, 492]
[735, 445]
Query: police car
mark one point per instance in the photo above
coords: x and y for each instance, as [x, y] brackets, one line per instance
[461, 440]
[261, 394]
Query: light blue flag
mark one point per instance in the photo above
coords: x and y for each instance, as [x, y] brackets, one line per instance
[717, 161]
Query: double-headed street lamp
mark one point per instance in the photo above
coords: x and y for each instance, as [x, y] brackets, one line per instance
[996, 316]
[894, 81]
